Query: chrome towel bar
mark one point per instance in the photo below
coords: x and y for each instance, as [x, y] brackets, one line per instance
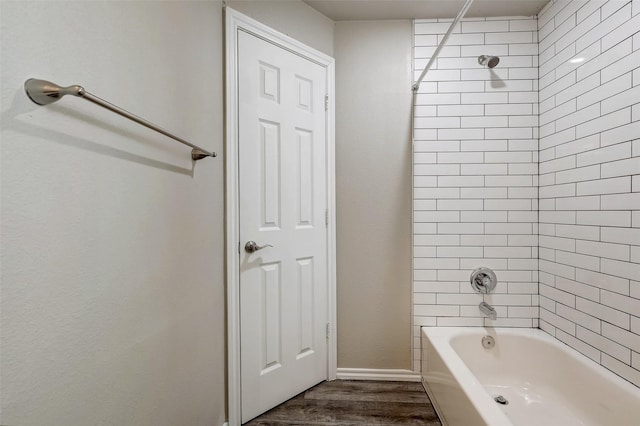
[44, 92]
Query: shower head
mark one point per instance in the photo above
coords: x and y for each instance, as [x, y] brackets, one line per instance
[44, 92]
[490, 61]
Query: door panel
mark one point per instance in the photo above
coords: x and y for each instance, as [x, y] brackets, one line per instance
[270, 174]
[305, 177]
[282, 181]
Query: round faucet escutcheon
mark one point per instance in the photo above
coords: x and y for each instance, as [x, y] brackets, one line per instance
[483, 280]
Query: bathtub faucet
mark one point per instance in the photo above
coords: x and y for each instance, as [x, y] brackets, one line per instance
[488, 310]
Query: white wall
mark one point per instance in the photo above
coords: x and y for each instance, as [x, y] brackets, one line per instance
[475, 173]
[590, 180]
[293, 18]
[373, 176]
[373, 179]
[112, 240]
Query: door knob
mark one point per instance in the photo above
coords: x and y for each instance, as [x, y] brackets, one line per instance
[252, 247]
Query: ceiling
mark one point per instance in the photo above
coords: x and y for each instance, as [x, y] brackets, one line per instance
[362, 10]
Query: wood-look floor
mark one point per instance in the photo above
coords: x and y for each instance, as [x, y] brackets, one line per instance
[350, 403]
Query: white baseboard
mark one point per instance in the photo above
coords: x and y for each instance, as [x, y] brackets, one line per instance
[392, 375]
[225, 424]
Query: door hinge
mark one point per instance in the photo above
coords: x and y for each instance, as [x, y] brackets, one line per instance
[328, 329]
[326, 102]
[326, 217]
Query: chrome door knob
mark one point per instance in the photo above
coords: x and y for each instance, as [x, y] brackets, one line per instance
[252, 247]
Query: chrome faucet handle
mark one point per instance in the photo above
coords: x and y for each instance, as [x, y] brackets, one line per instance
[483, 280]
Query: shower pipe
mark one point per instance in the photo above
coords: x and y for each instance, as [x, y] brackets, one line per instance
[44, 92]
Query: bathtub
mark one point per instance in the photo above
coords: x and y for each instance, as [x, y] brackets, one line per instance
[544, 381]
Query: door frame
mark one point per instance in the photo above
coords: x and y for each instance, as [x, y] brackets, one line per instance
[235, 22]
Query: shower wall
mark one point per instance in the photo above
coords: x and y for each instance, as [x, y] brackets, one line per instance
[590, 180]
[475, 173]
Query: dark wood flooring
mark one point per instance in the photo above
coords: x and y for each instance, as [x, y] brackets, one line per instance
[354, 402]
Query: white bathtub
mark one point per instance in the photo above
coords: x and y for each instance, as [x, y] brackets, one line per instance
[545, 382]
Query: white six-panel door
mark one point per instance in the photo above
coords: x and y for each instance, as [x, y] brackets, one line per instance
[282, 203]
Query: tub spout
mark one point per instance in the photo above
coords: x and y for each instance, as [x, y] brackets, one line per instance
[488, 310]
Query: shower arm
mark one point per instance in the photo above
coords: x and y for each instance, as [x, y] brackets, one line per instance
[461, 14]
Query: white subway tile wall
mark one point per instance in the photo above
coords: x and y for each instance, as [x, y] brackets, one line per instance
[590, 179]
[476, 173]
[555, 210]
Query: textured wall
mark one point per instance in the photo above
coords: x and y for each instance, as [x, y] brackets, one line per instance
[112, 240]
[475, 173]
[373, 187]
[590, 180]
